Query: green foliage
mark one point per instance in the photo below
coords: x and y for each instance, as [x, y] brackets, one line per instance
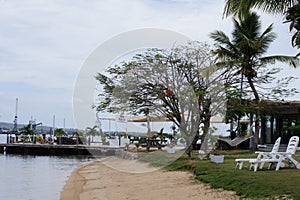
[295, 129]
[92, 131]
[78, 133]
[293, 17]
[158, 158]
[245, 67]
[239, 7]
[27, 130]
[168, 82]
[237, 108]
[290, 8]
[59, 132]
[264, 184]
[243, 55]
[26, 133]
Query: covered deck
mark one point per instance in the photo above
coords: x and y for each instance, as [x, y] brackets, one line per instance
[276, 118]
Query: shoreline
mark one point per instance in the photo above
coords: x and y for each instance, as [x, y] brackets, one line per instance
[115, 178]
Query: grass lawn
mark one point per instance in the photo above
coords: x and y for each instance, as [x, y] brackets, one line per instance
[263, 184]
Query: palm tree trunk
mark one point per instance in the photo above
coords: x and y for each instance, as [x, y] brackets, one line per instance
[256, 133]
[257, 114]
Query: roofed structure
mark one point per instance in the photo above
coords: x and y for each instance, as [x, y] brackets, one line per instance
[277, 117]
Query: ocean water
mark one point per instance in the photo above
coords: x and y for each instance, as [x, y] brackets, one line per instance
[36, 177]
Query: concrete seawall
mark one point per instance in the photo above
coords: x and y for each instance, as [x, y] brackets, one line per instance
[48, 149]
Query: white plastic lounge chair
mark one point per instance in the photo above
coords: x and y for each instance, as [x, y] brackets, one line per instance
[261, 155]
[280, 157]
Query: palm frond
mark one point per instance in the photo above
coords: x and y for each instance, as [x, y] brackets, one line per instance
[239, 7]
[274, 6]
[224, 53]
[220, 37]
[290, 60]
[265, 42]
[230, 64]
[267, 31]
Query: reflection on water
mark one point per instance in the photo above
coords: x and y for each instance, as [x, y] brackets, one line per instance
[35, 177]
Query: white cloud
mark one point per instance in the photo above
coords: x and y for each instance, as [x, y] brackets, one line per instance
[44, 43]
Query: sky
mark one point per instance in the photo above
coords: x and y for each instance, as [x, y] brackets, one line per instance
[44, 44]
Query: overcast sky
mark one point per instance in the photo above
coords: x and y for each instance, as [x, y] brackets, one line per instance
[43, 44]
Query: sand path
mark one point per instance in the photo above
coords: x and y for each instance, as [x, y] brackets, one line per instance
[98, 180]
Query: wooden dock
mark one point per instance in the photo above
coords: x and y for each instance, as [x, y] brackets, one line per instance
[56, 150]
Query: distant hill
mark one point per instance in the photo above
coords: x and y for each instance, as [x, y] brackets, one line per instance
[5, 125]
[39, 129]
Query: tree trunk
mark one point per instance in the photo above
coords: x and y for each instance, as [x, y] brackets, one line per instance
[189, 146]
[206, 122]
[256, 133]
[188, 150]
[257, 114]
[251, 144]
[205, 137]
[204, 142]
[190, 142]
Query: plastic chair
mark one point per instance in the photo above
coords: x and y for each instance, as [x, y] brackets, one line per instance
[262, 155]
[279, 158]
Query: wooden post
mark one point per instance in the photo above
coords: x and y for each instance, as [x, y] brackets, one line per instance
[272, 129]
[263, 130]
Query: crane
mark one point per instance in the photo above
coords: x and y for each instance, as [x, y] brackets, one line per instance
[15, 129]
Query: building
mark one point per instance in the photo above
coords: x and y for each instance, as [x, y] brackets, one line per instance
[276, 119]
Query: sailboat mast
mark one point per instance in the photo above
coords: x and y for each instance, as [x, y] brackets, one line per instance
[16, 117]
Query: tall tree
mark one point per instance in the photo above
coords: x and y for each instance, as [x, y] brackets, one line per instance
[243, 56]
[290, 8]
[26, 133]
[176, 84]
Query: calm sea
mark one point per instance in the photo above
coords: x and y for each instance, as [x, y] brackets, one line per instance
[36, 177]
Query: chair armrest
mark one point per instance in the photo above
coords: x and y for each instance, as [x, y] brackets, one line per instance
[265, 154]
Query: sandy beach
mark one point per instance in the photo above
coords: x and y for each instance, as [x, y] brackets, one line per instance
[118, 179]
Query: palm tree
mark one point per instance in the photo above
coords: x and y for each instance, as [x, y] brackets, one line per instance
[290, 8]
[59, 132]
[92, 131]
[237, 7]
[244, 54]
[27, 133]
